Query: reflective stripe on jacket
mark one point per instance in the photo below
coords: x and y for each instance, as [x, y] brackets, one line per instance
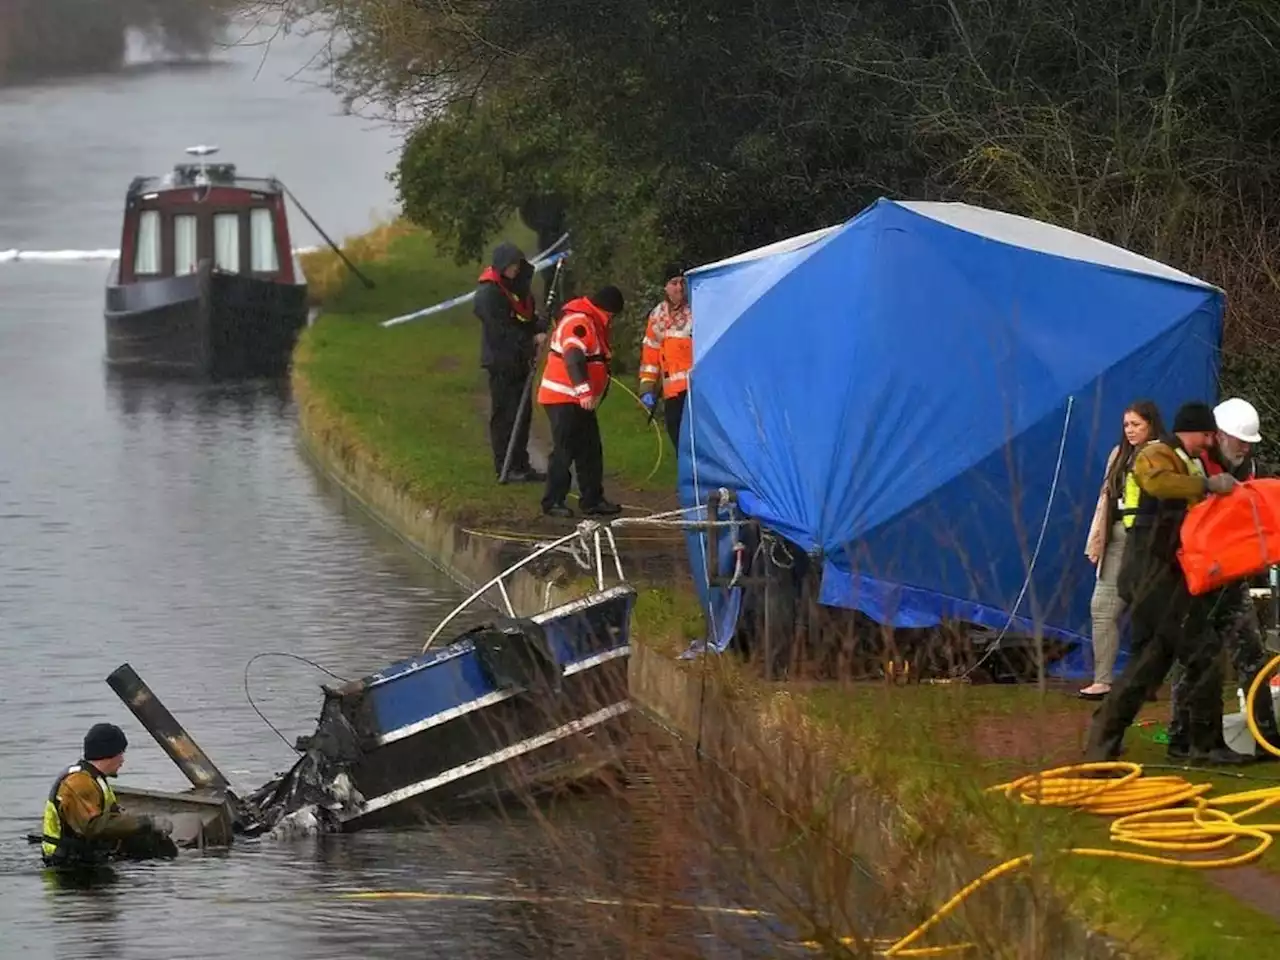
[583, 327]
[667, 350]
[1194, 466]
[60, 841]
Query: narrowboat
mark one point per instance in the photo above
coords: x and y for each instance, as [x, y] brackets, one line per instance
[206, 283]
[511, 707]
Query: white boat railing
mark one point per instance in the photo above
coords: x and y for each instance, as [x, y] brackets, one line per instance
[588, 544]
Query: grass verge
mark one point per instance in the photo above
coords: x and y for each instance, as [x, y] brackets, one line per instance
[413, 398]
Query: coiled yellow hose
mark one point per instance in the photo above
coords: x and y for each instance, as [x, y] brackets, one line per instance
[1166, 814]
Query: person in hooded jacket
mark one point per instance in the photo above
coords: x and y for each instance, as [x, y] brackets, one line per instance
[511, 332]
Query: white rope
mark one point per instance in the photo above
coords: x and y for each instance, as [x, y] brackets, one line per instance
[1035, 554]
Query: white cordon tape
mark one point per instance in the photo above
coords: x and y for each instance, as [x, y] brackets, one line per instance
[79, 256]
[540, 262]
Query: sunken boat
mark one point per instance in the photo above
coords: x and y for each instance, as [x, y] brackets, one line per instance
[512, 707]
[206, 283]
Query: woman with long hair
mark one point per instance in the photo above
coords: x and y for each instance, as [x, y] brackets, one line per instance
[1105, 545]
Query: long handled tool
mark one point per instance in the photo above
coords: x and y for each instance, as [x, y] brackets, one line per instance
[527, 394]
[333, 246]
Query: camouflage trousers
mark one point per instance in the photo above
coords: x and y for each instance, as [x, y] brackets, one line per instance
[1235, 620]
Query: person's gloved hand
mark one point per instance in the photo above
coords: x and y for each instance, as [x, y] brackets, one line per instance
[649, 401]
[588, 402]
[1221, 483]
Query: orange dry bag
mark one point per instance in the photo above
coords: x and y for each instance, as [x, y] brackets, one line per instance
[1226, 538]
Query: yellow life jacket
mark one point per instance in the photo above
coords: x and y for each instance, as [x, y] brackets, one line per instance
[1128, 506]
[60, 841]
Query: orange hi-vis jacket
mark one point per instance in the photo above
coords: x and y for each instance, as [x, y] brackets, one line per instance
[668, 349]
[582, 326]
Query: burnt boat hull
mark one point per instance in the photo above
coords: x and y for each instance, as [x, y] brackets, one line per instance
[205, 324]
[507, 709]
[201, 818]
[519, 748]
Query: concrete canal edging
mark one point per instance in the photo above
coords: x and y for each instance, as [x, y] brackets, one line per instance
[745, 734]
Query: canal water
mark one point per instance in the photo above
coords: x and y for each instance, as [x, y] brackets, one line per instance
[178, 528]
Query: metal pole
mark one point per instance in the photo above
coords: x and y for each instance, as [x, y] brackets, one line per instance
[1273, 580]
[159, 722]
[527, 393]
[332, 246]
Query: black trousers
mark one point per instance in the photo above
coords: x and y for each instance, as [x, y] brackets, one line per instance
[1235, 621]
[575, 440]
[506, 386]
[1167, 624]
[673, 411]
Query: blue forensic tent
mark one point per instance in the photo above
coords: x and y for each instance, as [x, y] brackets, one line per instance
[924, 397]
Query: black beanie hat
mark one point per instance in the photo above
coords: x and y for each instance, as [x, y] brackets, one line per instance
[1194, 417]
[103, 741]
[608, 299]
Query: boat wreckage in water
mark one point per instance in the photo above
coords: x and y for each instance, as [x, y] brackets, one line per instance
[511, 706]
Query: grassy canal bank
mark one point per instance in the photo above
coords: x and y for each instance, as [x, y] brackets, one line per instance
[892, 776]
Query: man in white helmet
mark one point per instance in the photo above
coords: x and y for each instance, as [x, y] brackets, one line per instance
[1234, 617]
[1237, 421]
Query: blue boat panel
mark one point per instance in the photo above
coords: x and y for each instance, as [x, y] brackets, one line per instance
[591, 630]
[420, 662]
[419, 687]
[416, 694]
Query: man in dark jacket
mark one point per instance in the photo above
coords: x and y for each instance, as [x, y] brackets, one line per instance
[1232, 614]
[511, 334]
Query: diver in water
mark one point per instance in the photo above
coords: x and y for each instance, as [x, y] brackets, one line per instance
[84, 826]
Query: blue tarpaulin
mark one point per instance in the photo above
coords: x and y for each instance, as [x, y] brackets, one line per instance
[924, 398]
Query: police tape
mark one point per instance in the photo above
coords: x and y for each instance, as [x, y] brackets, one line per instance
[547, 258]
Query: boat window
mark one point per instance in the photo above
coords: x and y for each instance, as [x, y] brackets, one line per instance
[185, 253]
[147, 256]
[226, 242]
[262, 242]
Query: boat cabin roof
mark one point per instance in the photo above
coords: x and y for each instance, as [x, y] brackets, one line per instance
[188, 176]
[203, 211]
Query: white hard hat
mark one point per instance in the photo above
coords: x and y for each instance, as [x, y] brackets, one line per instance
[1238, 418]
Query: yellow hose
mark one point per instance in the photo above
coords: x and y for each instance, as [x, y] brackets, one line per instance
[657, 430]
